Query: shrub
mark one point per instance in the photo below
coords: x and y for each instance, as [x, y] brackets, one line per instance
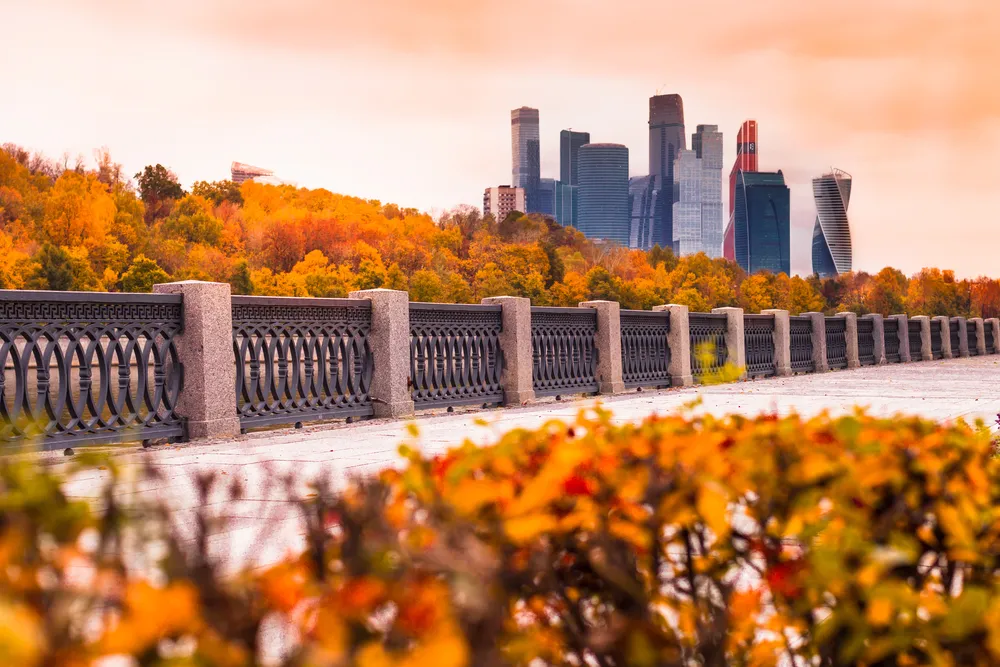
[677, 541]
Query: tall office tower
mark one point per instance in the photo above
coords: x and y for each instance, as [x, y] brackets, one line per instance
[501, 200]
[566, 203]
[761, 222]
[546, 197]
[707, 145]
[687, 208]
[603, 194]
[569, 148]
[642, 196]
[746, 160]
[831, 249]
[245, 172]
[525, 153]
[666, 139]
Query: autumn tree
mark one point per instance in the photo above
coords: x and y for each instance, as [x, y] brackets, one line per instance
[218, 192]
[142, 275]
[78, 211]
[158, 187]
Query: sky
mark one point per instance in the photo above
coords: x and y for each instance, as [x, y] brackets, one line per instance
[409, 101]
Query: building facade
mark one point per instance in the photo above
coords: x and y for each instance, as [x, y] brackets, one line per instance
[746, 160]
[687, 207]
[603, 211]
[501, 200]
[567, 203]
[546, 197]
[707, 145]
[761, 219]
[666, 140]
[240, 172]
[525, 153]
[642, 196]
[569, 148]
[832, 253]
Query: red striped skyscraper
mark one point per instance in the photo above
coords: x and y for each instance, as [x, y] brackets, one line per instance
[746, 160]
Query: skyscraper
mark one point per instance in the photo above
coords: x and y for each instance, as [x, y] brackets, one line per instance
[603, 194]
[569, 148]
[746, 160]
[707, 145]
[546, 197]
[642, 196]
[687, 207]
[525, 153]
[501, 200]
[831, 248]
[761, 222]
[567, 203]
[666, 139]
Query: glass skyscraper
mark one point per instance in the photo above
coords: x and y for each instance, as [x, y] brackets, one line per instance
[761, 222]
[569, 148]
[707, 145]
[831, 248]
[666, 140]
[546, 197]
[525, 153]
[746, 160]
[604, 192]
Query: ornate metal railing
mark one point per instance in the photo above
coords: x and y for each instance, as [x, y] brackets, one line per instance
[890, 331]
[83, 368]
[800, 333]
[866, 341]
[564, 353]
[916, 345]
[972, 338]
[988, 337]
[836, 342]
[955, 334]
[645, 353]
[707, 330]
[758, 339]
[455, 356]
[301, 360]
[937, 351]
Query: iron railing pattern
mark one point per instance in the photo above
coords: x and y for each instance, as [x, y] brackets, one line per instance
[564, 351]
[300, 359]
[988, 337]
[707, 331]
[800, 333]
[955, 334]
[455, 356]
[937, 351]
[866, 342]
[83, 368]
[836, 342]
[645, 353]
[916, 342]
[972, 338]
[758, 339]
[890, 331]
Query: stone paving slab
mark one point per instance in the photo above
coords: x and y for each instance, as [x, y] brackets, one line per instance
[941, 390]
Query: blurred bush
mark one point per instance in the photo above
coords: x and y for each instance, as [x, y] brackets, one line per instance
[677, 541]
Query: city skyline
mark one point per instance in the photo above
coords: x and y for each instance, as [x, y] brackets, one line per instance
[896, 99]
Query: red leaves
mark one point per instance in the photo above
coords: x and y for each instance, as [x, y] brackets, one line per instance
[783, 579]
[575, 485]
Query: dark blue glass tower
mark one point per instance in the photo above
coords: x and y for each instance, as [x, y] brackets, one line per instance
[762, 222]
[603, 194]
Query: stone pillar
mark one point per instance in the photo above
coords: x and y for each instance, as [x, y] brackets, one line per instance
[903, 330]
[609, 345]
[977, 323]
[679, 342]
[515, 344]
[818, 341]
[851, 337]
[963, 338]
[782, 342]
[925, 338]
[878, 336]
[205, 350]
[945, 336]
[995, 323]
[390, 342]
[735, 342]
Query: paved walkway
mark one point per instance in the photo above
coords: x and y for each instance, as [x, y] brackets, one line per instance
[941, 390]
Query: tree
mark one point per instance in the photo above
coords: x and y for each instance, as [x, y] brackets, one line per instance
[192, 221]
[54, 270]
[218, 192]
[78, 210]
[158, 187]
[239, 279]
[426, 286]
[142, 275]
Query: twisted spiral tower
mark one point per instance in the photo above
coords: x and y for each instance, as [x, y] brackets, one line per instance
[831, 247]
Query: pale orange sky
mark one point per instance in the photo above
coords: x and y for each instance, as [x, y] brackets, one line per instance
[409, 101]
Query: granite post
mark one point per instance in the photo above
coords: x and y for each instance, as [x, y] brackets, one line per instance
[977, 323]
[390, 342]
[609, 346]
[515, 344]
[819, 341]
[925, 337]
[782, 342]
[903, 329]
[205, 350]
[994, 322]
[945, 336]
[851, 338]
[878, 337]
[963, 338]
[735, 342]
[679, 342]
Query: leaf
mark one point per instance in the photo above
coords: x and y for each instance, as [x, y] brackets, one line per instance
[712, 506]
[526, 528]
